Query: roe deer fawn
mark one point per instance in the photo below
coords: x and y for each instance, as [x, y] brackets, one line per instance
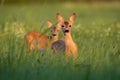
[71, 47]
[58, 46]
[39, 40]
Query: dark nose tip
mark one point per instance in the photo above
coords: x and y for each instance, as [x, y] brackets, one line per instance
[66, 30]
[54, 34]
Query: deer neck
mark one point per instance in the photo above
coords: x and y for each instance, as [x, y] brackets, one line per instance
[55, 38]
[68, 38]
[52, 39]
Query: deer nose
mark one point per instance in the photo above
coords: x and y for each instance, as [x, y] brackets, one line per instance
[66, 30]
[54, 34]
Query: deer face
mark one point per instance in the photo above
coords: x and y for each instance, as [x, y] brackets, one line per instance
[66, 25]
[54, 31]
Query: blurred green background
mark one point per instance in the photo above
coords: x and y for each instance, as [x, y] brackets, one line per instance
[52, 1]
[96, 32]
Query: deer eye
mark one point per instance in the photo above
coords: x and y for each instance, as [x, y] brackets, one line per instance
[69, 25]
[62, 25]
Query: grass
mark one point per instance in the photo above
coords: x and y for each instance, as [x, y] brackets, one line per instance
[96, 32]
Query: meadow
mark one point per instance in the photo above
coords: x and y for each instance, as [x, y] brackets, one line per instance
[96, 32]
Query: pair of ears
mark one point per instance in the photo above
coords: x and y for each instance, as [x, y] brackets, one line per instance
[60, 19]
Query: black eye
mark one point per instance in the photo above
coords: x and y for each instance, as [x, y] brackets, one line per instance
[62, 25]
[69, 25]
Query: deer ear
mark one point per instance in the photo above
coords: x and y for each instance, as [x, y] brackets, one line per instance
[49, 24]
[59, 18]
[72, 18]
[58, 26]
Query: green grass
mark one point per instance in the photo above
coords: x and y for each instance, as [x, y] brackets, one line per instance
[96, 32]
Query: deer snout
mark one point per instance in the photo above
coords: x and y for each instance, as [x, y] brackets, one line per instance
[53, 34]
[66, 30]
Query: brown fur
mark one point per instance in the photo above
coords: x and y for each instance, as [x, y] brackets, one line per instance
[71, 47]
[57, 45]
[36, 39]
[39, 40]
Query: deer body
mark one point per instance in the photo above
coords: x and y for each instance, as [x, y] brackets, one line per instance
[57, 45]
[70, 45]
[36, 39]
[39, 40]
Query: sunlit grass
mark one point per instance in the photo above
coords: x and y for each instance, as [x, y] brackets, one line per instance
[96, 32]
